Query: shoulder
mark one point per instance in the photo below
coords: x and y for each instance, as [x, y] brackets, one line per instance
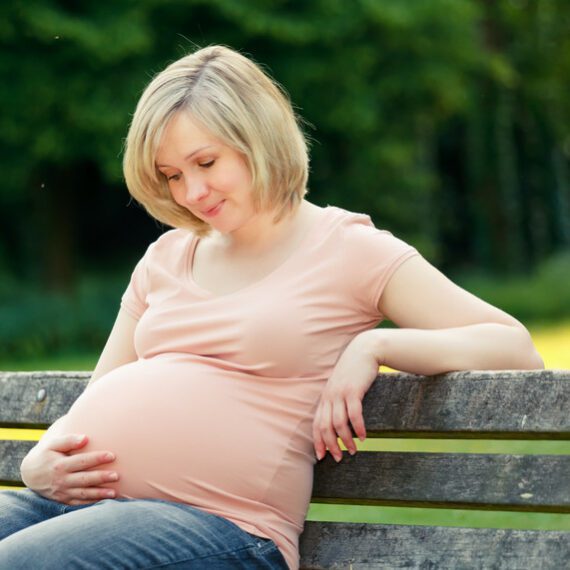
[356, 232]
[170, 242]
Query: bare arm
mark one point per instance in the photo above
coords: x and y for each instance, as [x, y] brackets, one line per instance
[74, 479]
[444, 328]
[487, 346]
[119, 348]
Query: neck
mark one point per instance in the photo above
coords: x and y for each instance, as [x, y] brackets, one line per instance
[262, 234]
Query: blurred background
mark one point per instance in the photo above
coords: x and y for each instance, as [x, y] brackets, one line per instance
[447, 121]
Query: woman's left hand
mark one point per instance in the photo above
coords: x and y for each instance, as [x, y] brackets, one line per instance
[341, 400]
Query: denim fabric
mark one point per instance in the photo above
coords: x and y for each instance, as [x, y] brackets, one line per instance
[115, 534]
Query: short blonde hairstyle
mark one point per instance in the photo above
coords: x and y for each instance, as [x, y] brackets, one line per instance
[240, 105]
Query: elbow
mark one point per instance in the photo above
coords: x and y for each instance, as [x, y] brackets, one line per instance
[530, 358]
[536, 362]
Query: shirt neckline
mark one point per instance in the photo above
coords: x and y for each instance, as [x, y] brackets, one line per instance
[305, 242]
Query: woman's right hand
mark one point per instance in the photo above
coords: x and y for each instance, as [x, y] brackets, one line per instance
[52, 471]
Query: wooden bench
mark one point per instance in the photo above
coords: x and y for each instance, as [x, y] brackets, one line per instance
[468, 405]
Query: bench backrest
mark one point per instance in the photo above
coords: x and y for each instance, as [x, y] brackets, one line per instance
[462, 405]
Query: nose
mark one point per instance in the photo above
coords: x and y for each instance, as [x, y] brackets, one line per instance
[196, 190]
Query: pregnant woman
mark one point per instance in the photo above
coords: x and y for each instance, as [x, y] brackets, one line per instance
[243, 347]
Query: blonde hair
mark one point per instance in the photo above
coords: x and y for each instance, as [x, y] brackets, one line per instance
[240, 105]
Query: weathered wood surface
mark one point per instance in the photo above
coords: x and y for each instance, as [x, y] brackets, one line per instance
[496, 404]
[11, 455]
[37, 399]
[524, 404]
[505, 482]
[450, 480]
[467, 404]
[330, 546]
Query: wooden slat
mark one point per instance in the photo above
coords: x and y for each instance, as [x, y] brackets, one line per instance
[21, 402]
[496, 404]
[505, 482]
[467, 404]
[11, 455]
[330, 546]
[538, 483]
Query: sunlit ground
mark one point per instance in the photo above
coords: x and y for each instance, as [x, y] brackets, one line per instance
[553, 343]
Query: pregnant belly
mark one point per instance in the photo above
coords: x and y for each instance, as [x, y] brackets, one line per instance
[181, 430]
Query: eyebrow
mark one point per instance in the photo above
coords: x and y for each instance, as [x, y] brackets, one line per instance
[189, 156]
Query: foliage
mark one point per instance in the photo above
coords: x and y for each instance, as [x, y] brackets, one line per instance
[40, 323]
[542, 297]
[447, 120]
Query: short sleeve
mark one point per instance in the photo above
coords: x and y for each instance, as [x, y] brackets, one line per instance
[134, 300]
[370, 258]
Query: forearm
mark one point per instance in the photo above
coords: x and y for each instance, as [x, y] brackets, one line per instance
[486, 346]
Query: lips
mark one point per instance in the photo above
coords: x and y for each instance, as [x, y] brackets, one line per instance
[212, 209]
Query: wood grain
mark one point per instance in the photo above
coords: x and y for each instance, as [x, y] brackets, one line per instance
[538, 483]
[497, 404]
[502, 405]
[330, 546]
[11, 455]
[37, 399]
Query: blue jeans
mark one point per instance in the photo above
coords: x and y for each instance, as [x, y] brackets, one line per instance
[124, 534]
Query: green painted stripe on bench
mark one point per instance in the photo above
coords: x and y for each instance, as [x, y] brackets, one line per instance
[522, 520]
[363, 546]
[420, 516]
[509, 446]
[487, 405]
[516, 446]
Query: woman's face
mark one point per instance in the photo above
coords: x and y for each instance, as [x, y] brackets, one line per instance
[205, 176]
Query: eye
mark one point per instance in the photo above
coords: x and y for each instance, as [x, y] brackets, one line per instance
[173, 177]
[206, 164]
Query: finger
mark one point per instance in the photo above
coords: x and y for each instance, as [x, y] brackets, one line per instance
[88, 460]
[90, 494]
[68, 442]
[327, 431]
[354, 408]
[78, 502]
[341, 425]
[318, 442]
[341, 429]
[91, 478]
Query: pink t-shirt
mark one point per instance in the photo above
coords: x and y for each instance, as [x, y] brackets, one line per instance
[217, 411]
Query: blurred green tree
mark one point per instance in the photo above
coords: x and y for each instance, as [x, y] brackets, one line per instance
[447, 120]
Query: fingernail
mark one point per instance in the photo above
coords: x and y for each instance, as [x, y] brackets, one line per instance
[361, 437]
[338, 458]
[109, 456]
[110, 494]
[79, 438]
[352, 451]
[113, 477]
